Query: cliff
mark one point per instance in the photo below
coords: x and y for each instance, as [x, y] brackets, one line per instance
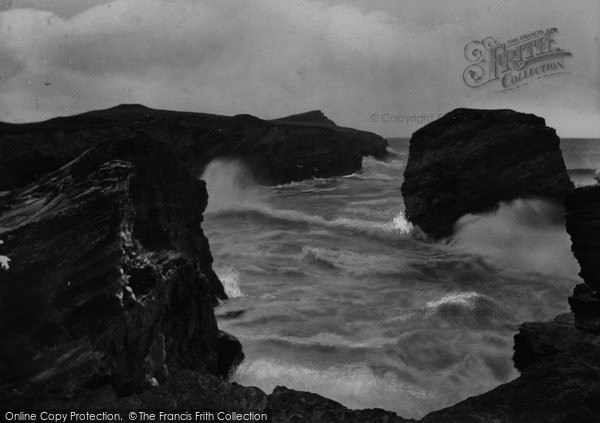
[110, 279]
[470, 160]
[279, 151]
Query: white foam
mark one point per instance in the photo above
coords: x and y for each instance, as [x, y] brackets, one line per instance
[4, 262]
[230, 278]
[460, 298]
[327, 339]
[524, 234]
[399, 224]
[396, 226]
[229, 184]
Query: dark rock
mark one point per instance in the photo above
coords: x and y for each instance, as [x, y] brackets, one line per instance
[538, 340]
[586, 307]
[110, 279]
[583, 224]
[562, 388]
[196, 390]
[229, 351]
[286, 405]
[470, 160]
[314, 117]
[279, 151]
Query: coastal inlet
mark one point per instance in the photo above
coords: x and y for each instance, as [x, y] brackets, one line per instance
[332, 291]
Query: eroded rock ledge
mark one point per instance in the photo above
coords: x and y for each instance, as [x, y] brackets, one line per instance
[279, 151]
[470, 160]
[110, 280]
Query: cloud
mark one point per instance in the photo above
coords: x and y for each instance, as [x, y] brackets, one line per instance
[351, 59]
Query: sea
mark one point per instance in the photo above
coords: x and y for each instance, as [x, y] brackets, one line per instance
[333, 291]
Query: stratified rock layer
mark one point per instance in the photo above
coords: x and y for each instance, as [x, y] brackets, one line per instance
[279, 151]
[110, 279]
[470, 160]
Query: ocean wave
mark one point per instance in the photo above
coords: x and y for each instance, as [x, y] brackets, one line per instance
[320, 257]
[230, 278]
[374, 169]
[398, 226]
[379, 170]
[395, 152]
[352, 263]
[354, 385]
[326, 340]
[470, 309]
[462, 298]
[584, 177]
[525, 234]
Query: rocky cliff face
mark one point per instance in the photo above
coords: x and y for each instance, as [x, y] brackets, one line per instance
[110, 279]
[107, 300]
[288, 149]
[583, 224]
[467, 162]
[470, 160]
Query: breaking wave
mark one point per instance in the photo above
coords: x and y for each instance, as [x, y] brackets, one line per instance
[232, 193]
[528, 235]
[357, 386]
[230, 278]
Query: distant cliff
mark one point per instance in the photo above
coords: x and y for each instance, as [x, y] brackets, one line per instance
[278, 151]
[470, 160]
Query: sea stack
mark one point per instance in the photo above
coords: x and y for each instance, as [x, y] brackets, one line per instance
[469, 160]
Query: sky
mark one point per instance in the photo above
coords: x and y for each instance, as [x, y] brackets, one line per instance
[386, 66]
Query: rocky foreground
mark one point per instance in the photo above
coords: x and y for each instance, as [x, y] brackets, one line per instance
[107, 300]
[470, 160]
[278, 151]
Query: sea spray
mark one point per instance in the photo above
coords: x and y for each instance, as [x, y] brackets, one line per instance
[230, 278]
[229, 184]
[523, 234]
